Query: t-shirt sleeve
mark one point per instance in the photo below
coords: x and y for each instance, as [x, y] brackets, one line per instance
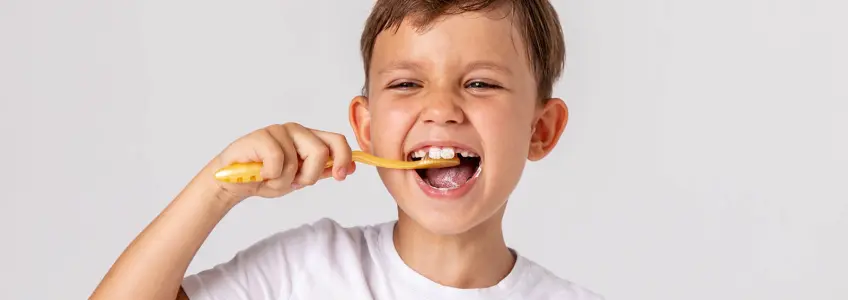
[264, 270]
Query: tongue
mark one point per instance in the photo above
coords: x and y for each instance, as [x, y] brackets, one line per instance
[450, 177]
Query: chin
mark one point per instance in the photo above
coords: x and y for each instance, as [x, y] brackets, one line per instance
[446, 222]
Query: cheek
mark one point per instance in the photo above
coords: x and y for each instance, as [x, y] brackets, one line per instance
[390, 124]
[504, 128]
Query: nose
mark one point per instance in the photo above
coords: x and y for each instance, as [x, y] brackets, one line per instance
[442, 109]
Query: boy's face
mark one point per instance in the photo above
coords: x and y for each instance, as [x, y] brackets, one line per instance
[464, 84]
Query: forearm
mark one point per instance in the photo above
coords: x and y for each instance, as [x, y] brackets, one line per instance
[154, 264]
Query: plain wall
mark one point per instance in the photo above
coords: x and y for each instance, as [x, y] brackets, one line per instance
[705, 157]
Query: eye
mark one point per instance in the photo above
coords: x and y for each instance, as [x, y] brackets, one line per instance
[481, 85]
[404, 85]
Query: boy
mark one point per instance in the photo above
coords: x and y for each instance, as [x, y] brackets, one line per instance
[470, 78]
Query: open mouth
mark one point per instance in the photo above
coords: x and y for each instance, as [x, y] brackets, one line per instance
[450, 177]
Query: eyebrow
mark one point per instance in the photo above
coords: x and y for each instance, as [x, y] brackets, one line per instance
[490, 65]
[415, 66]
[400, 65]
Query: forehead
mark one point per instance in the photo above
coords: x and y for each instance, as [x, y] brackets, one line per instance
[490, 37]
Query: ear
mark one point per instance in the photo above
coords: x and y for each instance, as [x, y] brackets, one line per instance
[549, 124]
[360, 121]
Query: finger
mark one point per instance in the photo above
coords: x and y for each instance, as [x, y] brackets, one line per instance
[339, 150]
[312, 151]
[290, 161]
[270, 153]
[350, 168]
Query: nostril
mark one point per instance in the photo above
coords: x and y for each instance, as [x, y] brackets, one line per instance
[441, 113]
[451, 121]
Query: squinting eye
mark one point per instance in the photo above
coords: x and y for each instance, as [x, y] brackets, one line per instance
[481, 85]
[404, 85]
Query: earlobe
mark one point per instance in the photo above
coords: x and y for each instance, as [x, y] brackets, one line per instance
[548, 128]
[360, 122]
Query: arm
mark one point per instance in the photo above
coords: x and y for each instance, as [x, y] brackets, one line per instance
[153, 265]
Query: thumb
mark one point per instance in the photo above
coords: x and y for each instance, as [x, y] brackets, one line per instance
[349, 169]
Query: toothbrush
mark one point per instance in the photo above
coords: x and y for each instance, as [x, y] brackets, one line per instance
[249, 172]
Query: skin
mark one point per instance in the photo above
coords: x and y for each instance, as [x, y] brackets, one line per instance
[154, 264]
[443, 94]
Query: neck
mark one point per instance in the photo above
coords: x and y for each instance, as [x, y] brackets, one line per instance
[478, 258]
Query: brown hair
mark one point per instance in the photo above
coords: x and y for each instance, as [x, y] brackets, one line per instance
[538, 23]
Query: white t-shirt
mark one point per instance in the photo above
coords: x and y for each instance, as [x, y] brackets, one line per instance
[324, 260]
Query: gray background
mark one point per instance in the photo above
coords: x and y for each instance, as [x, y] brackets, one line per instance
[705, 157]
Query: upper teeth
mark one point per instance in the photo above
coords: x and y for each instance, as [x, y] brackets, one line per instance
[441, 153]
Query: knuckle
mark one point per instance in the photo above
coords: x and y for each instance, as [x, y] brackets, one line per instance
[340, 138]
[262, 135]
[339, 142]
[342, 142]
[290, 125]
[275, 131]
[260, 132]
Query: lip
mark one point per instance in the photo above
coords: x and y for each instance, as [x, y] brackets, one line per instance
[446, 194]
[442, 143]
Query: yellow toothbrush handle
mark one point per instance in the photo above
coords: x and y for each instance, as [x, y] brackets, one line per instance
[240, 172]
[247, 172]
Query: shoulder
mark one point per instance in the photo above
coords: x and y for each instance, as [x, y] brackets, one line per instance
[544, 284]
[277, 264]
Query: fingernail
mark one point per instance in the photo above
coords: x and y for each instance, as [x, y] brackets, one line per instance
[343, 172]
[296, 186]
